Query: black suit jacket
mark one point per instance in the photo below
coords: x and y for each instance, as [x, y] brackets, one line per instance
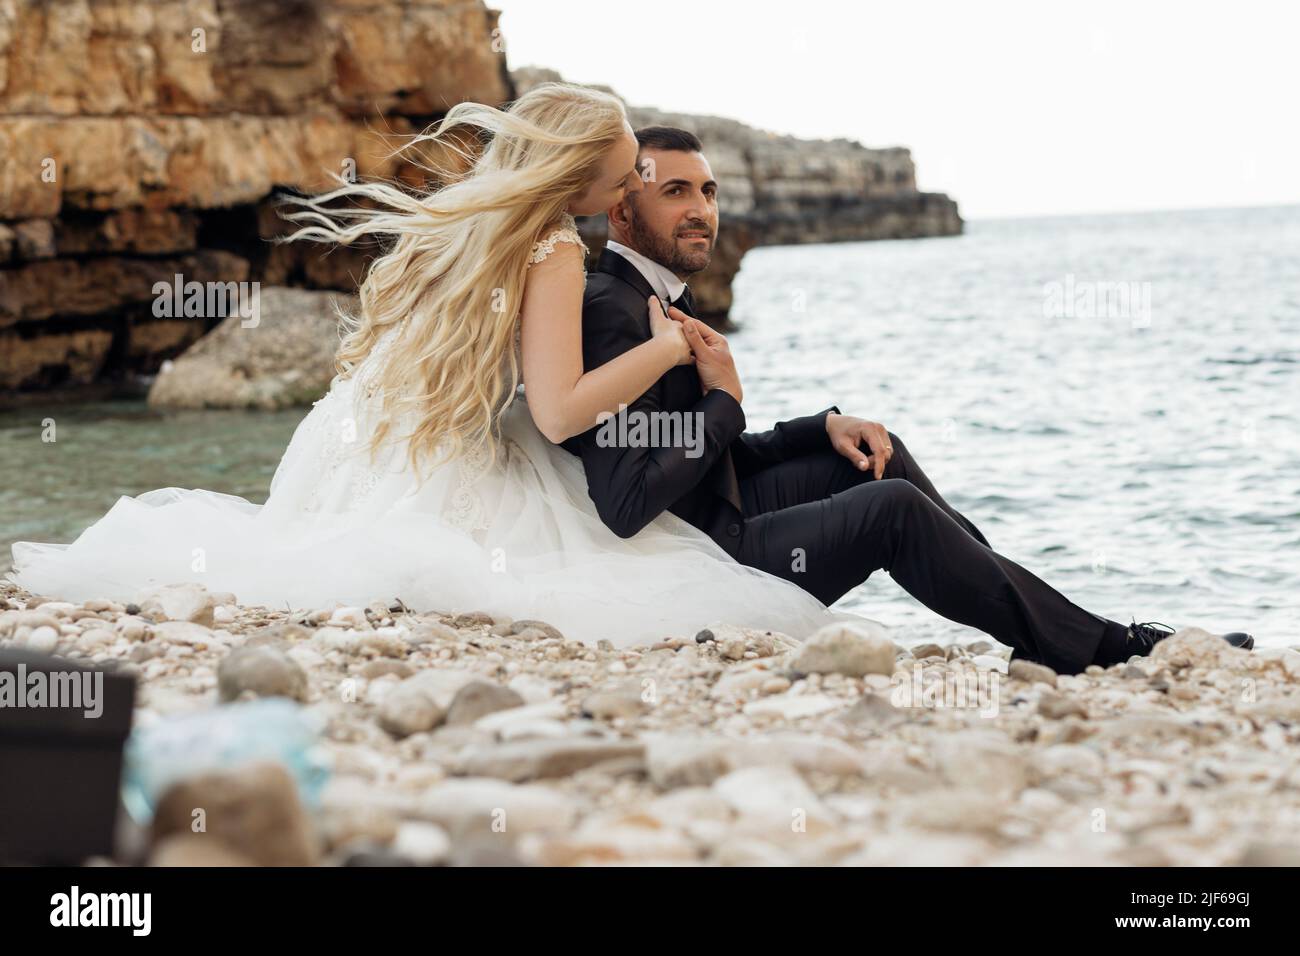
[631, 486]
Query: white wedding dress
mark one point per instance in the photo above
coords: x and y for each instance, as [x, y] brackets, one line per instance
[520, 538]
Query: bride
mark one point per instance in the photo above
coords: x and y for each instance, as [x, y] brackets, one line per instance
[423, 474]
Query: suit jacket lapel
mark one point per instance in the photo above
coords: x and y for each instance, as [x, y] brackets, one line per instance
[620, 268]
[722, 479]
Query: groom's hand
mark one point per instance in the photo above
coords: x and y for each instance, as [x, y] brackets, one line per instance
[847, 434]
[713, 361]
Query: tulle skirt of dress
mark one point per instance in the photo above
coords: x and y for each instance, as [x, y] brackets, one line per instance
[520, 538]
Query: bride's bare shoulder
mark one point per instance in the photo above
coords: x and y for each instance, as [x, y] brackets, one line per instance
[565, 231]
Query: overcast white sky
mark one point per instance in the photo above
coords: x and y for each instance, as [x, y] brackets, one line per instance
[1013, 108]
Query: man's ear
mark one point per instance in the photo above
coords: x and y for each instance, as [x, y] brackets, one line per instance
[619, 215]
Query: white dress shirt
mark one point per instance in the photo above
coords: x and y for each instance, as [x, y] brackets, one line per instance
[665, 284]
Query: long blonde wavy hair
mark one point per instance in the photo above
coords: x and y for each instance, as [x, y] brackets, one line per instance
[458, 257]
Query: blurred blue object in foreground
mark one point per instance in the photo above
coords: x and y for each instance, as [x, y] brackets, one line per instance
[225, 737]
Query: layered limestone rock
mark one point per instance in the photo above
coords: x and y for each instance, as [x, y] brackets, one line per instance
[141, 140]
[780, 190]
[279, 355]
[789, 190]
[219, 57]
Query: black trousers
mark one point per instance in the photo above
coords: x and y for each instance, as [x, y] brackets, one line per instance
[819, 522]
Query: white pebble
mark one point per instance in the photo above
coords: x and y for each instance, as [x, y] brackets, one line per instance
[43, 640]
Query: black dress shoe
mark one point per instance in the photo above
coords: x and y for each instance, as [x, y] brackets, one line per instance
[1143, 637]
[1240, 639]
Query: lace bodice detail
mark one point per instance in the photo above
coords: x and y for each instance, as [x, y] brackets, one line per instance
[566, 231]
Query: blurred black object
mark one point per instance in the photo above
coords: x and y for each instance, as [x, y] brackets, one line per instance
[60, 766]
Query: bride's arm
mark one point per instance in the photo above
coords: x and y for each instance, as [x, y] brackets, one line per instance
[562, 399]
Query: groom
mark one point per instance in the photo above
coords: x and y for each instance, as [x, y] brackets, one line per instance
[821, 500]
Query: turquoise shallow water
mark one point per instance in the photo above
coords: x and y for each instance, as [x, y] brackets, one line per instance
[1114, 400]
[49, 491]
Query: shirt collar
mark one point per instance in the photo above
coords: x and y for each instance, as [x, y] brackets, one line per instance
[666, 285]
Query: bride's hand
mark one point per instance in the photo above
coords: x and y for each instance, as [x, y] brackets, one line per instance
[670, 330]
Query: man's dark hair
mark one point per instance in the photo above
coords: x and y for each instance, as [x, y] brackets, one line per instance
[668, 138]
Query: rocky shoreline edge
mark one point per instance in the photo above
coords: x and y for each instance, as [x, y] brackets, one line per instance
[466, 739]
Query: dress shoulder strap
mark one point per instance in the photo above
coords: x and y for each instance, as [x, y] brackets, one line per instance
[566, 231]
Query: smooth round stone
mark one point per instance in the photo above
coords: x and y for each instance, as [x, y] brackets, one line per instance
[480, 698]
[43, 640]
[425, 844]
[1031, 672]
[849, 649]
[262, 671]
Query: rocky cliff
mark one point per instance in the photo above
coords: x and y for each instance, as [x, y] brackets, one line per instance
[780, 190]
[141, 140]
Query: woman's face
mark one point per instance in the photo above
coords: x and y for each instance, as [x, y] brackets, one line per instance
[616, 177]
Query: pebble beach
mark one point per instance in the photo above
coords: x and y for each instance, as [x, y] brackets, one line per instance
[463, 739]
